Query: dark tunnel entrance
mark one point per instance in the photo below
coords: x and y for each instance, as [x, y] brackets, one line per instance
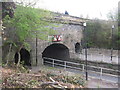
[24, 57]
[56, 51]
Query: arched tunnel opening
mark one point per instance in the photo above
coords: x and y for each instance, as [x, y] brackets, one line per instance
[24, 57]
[56, 51]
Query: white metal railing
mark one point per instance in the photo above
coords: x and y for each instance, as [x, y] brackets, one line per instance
[65, 65]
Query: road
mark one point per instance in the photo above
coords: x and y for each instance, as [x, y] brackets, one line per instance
[109, 78]
[106, 77]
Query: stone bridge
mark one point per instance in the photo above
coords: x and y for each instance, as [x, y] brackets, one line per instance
[65, 44]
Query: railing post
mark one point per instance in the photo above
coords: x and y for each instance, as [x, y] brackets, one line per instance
[43, 61]
[80, 55]
[53, 62]
[103, 59]
[91, 57]
[83, 67]
[117, 60]
[101, 73]
[65, 64]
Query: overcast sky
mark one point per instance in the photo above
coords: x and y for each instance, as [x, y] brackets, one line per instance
[85, 8]
[91, 8]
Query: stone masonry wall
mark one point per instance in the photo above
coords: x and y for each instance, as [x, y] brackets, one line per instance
[71, 35]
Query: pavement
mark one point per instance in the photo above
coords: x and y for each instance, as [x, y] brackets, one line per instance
[97, 83]
[100, 58]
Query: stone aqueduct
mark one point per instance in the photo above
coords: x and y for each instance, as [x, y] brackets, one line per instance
[70, 32]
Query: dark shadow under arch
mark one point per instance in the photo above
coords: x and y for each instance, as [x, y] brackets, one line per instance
[24, 55]
[56, 51]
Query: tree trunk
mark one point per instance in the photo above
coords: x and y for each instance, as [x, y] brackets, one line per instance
[8, 54]
[19, 55]
[18, 59]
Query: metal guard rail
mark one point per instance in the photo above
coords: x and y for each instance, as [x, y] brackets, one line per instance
[83, 66]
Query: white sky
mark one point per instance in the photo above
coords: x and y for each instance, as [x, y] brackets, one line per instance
[92, 8]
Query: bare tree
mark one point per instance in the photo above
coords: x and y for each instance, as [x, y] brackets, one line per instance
[113, 14]
[27, 3]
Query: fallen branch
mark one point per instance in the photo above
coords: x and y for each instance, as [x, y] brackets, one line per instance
[59, 85]
[52, 84]
[29, 74]
[48, 83]
[52, 79]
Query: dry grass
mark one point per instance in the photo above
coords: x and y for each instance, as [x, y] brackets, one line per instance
[11, 78]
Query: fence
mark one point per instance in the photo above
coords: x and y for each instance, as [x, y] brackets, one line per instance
[82, 67]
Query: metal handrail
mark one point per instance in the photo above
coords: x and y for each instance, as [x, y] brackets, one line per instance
[53, 59]
[101, 68]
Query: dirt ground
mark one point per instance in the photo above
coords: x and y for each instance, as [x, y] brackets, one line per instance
[35, 77]
[12, 78]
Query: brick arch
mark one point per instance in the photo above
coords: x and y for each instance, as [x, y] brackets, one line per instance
[24, 56]
[56, 51]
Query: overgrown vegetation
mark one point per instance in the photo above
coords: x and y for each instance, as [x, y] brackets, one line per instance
[98, 34]
[7, 8]
[28, 23]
